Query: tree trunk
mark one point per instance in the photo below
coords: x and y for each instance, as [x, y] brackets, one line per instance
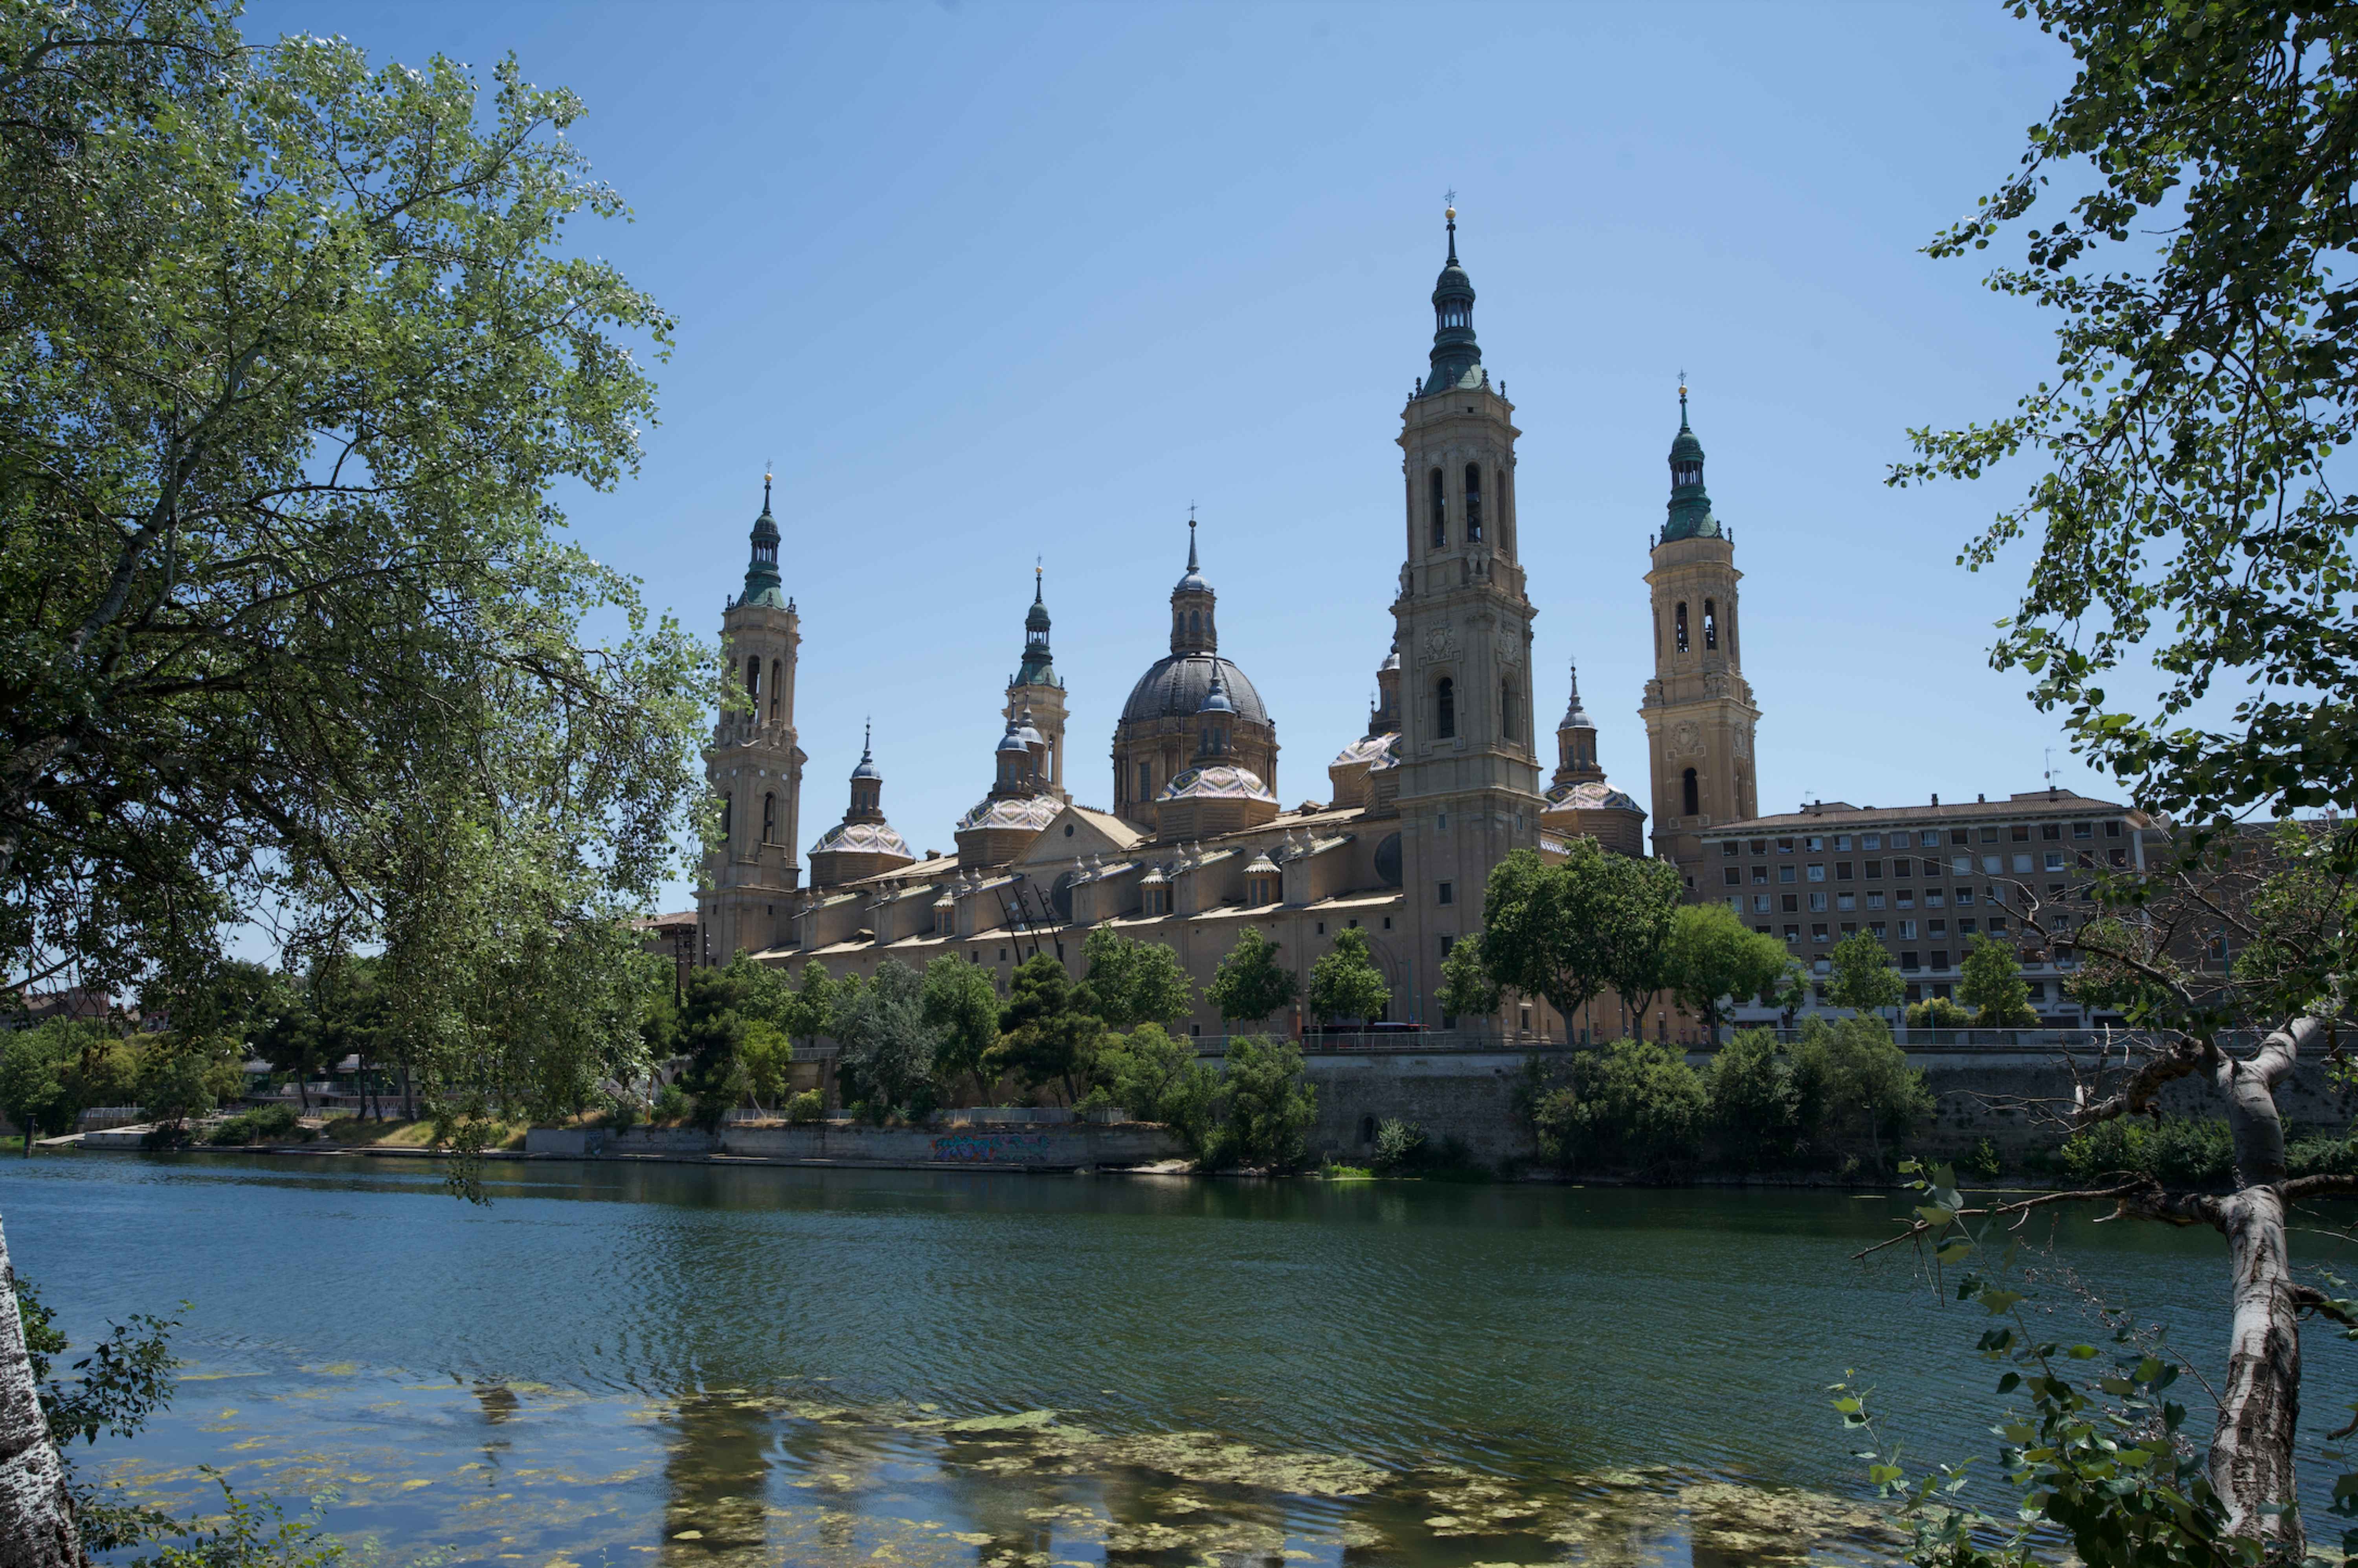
[37, 1523]
[2259, 1408]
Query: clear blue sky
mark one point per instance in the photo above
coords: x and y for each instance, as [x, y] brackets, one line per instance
[994, 281]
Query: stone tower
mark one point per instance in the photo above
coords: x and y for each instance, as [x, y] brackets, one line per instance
[1575, 742]
[754, 766]
[1468, 775]
[1698, 708]
[863, 843]
[1035, 693]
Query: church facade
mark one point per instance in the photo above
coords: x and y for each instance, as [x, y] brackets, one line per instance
[1196, 844]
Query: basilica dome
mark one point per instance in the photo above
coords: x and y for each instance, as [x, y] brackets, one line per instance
[1174, 686]
[863, 839]
[1591, 796]
[1032, 812]
[1217, 780]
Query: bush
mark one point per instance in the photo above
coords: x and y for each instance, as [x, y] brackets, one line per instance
[620, 1113]
[807, 1106]
[1756, 1107]
[1269, 1105]
[1634, 1103]
[1860, 1101]
[2322, 1157]
[1399, 1145]
[262, 1123]
[2189, 1152]
[1939, 1012]
[1983, 1163]
[671, 1103]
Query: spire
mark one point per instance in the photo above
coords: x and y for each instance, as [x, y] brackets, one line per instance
[762, 584]
[1193, 627]
[1038, 668]
[1456, 357]
[867, 768]
[1576, 741]
[1689, 508]
[1574, 716]
[1191, 579]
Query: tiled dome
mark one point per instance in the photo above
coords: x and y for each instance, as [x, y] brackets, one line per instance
[1221, 781]
[1369, 748]
[1389, 756]
[1177, 684]
[863, 838]
[1031, 811]
[1590, 796]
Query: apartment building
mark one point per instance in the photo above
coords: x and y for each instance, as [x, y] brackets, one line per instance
[1925, 881]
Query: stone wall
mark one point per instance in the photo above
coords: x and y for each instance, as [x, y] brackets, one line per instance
[1053, 1148]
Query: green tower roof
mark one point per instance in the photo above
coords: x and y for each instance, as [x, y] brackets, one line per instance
[762, 584]
[1456, 357]
[1690, 510]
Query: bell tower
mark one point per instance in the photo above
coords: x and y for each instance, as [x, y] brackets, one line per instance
[1698, 707]
[1035, 693]
[749, 883]
[1468, 772]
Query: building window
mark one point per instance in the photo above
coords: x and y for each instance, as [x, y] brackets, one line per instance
[753, 684]
[1871, 841]
[1904, 899]
[1817, 903]
[1964, 928]
[1784, 873]
[1817, 871]
[1682, 620]
[1875, 901]
[1850, 927]
[1877, 929]
[1939, 960]
[769, 818]
[2112, 829]
[2055, 860]
[1842, 869]
[1508, 729]
[1791, 902]
[1932, 898]
[1817, 934]
[1691, 793]
[1437, 487]
[1733, 876]
[1899, 868]
[1957, 836]
[1730, 849]
[1845, 901]
[1473, 502]
[1814, 845]
[1842, 841]
[1444, 708]
[1710, 624]
[1964, 898]
[2020, 833]
[1907, 931]
[1909, 962]
[1759, 873]
[1447, 894]
[1145, 782]
[727, 817]
[1736, 904]
[2022, 863]
[2050, 830]
[777, 685]
[1760, 904]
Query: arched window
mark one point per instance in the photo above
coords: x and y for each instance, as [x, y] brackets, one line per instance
[1683, 626]
[1440, 507]
[753, 682]
[1444, 708]
[1691, 793]
[769, 818]
[1710, 624]
[1145, 782]
[1473, 500]
[777, 684]
[727, 817]
[1508, 729]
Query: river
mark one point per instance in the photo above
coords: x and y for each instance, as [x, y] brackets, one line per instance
[634, 1364]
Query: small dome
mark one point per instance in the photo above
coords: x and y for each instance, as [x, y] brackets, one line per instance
[1216, 700]
[1391, 660]
[1221, 781]
[1686, 444]
[863, 839]
[867, 768]
[1389, 756]
[1154, 878]
[1032, 812]
[1191, 579]
[1591, 796]
[1174, 686]
[1261, 863]
[1367, 749]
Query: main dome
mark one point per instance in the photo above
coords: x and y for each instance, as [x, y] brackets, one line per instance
[1174, 686]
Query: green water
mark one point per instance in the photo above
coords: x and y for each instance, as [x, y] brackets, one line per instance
[690, 1365]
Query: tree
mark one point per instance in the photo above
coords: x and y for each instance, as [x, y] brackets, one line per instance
[1157, 1077]
[1250, 984]
[1046, 1034]
[1711, 955]
[295, 364]
[1634, 1103]
[30, 1085]
[1345, 981]
[2187, 519]
[1135, 982]
[888, 1048]
[1269, 1104]
[1854, 1087]
[1466, 988]
[809, 1007]
[1756, 1106]
[1991, 984]
[1570, 931]
[1862, 976]
[961, 1007]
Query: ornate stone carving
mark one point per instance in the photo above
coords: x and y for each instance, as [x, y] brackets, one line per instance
[1686, 740]
[1440, 642]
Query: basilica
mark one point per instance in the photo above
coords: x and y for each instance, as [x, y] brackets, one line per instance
[1197, 843]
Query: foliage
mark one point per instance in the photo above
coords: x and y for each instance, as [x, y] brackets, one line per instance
[1712, 954]
[765, 1054]
[1399, 1145]
[1756, 1107]
[806, 1107]
[1156, 1077]
[1133, 982]
[1938, 1013]
[1466, 988]
[1268, 1104]
[2205, 374]
[2196, 1151]
[1569, 932]
[263, 1123]
[1862, 975]
[1250, 984]
[1345, 981]
[298, 352]
[1991, 984]
[960, 1003]
[32, 1084]
[1046, 1032]
[1984, 1163]
[887, 1061]
[1632, 1104]
[337, 1009]
[181, 1078]
[1856, 1090]
[247, 1534]
[807, 1010]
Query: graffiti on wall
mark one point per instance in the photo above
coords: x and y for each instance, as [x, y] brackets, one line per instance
[991, 1148]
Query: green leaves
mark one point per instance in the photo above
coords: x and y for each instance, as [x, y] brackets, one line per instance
[1250, 984]
[1345, 982]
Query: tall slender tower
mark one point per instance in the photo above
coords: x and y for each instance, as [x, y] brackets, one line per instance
[1468, 773]
[1035, 693]
[1698, 709]
[754, 766]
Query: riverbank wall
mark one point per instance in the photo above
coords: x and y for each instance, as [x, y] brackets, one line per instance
[2010, 1097]
[1120, 1145]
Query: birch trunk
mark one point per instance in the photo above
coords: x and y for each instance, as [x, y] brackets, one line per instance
[37, 1523]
